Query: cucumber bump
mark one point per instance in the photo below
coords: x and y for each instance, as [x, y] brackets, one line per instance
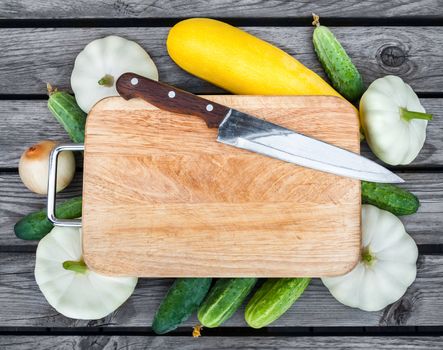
[36, 225]
[389, 197]
[342, 73]
[182, 299]
[273, 299]
[224, 298]
[66, 110]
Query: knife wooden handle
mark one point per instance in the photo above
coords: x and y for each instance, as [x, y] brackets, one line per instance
[169, 98]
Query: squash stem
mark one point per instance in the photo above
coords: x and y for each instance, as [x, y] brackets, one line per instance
[76, 266]
[107, 80]
[367, 258]
[409, 115]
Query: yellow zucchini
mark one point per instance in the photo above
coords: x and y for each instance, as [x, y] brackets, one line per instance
[240, 62]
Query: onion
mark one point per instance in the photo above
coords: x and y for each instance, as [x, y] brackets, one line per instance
[34, 165]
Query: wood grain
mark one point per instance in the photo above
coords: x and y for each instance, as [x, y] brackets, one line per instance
[40, 55]
[105, 342]
[424, 227]
[164, 199]
[25, 122]
[216, 8]
[24, 306]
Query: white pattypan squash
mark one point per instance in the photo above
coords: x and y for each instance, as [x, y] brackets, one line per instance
[69, 286]
[387, 266]
[393, 120]
[99, 65]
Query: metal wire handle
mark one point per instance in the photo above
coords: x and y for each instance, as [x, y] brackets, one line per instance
[52, 184]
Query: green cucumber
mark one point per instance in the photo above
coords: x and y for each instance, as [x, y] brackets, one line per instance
[66, 110]
[338, 66]
[224, 298]
[36, 225]
[273, 299]
[389, 197]
[182, 299]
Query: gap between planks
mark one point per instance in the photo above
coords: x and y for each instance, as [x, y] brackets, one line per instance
[220, 343]
[145, 22]
[243, 9]
[292, 332]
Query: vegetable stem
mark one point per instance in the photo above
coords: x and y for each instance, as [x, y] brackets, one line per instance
[107, 80]
[76, 266]
[316, 20]
[50, 89]
[409, 115]
[196, 331]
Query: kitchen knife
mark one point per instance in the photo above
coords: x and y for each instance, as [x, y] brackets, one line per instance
[244, 131]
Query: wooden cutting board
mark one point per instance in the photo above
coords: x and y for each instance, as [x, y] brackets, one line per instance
[162, 198]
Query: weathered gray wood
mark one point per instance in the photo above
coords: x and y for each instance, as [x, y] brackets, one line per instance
[218, 343]
[217, 8]
[31, 57]
[22, 124]
[16, 201]
[23, 305]
[25, 122]
[425, 226]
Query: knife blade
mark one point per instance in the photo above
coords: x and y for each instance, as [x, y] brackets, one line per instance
[244, 131]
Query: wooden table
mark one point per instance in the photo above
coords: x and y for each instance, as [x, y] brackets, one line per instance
[39, 41]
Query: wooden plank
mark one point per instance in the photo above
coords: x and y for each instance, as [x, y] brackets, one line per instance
[25, 122]
[185, 193]
[216, 8]
[221, 343]
[22, 124]
[33, 56]
[16, 200]
[24, 306]
[425, 226]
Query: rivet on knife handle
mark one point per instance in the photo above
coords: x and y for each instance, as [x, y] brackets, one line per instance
[167, 97]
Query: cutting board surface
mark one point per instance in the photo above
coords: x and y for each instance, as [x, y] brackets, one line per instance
[162, 198]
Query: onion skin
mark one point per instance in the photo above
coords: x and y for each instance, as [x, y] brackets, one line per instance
[34, 164]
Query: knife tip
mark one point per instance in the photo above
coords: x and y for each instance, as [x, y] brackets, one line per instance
[393, 179]
[385, 176]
